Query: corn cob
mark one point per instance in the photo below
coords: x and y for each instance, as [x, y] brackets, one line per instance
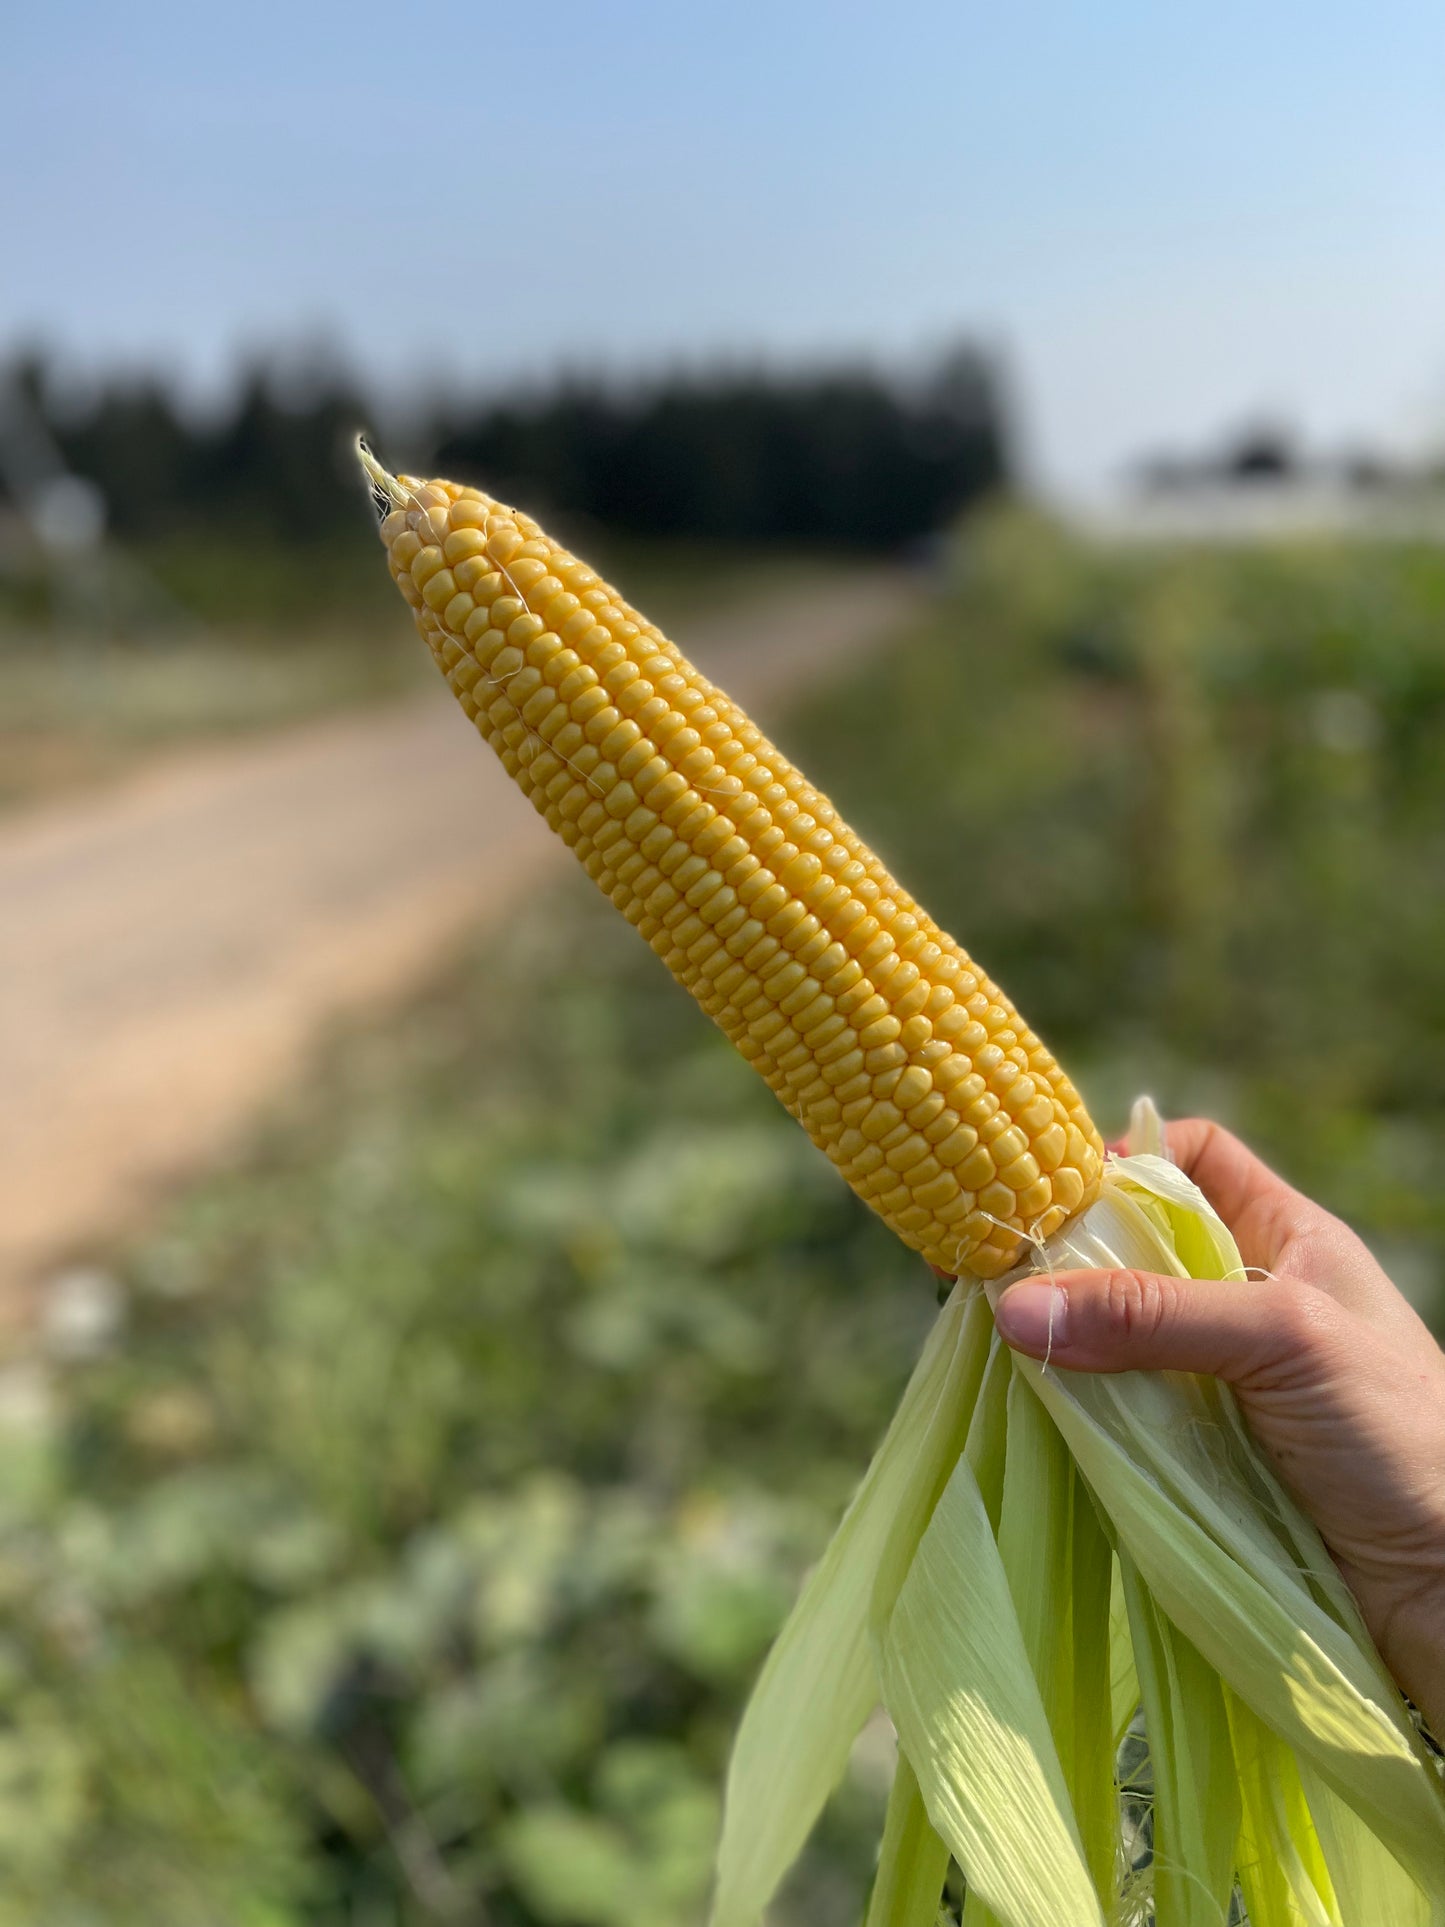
[904, 1063]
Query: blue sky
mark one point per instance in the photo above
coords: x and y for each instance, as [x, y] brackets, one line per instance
[1170, 217]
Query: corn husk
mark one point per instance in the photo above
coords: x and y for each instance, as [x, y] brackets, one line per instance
[1038, 1562]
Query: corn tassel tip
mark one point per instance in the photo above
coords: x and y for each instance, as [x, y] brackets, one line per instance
[387, 492]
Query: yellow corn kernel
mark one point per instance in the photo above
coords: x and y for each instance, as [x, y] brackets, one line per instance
[904, 1063]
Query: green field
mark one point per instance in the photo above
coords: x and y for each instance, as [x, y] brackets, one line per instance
[410, 1559]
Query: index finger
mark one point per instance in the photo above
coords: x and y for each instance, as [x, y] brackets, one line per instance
[1254, 1201]
[1279, 1230]
[1226, 1170]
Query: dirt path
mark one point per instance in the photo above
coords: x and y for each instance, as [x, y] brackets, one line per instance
[169, 948]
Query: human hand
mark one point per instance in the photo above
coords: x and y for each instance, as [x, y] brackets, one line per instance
[1339, 1380]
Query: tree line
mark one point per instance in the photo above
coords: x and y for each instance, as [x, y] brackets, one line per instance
[845, 456]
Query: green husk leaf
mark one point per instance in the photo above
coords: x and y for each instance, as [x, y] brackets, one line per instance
[818, 1684]
[1303, 1675]
[912, 1863]
[1369, 1883]
[1034, 1534]
[986, 1453]
[1203, 1245]
[1281, 1870]
[1086, 1740]
[958, 1684]
[1182, 1487]
[956, 1417]
[1123, 1679]
[1146, 1130]
[987, 1442]
[1057, 1561]
[1196, 1797]
[1033, 1544]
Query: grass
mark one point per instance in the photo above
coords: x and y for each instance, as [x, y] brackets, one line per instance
[410, 1559]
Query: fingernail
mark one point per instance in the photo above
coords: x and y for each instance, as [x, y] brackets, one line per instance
[1034, 1318]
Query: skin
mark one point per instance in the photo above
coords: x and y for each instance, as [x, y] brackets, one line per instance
[1339, 1380]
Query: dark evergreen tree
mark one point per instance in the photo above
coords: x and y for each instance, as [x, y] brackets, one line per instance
[842, 458]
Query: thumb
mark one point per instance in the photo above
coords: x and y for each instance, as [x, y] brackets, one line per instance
[1126, 1321]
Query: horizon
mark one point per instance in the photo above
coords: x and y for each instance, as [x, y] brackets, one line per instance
[1167, 230]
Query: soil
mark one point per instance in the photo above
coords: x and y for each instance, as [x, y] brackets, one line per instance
[171, 948]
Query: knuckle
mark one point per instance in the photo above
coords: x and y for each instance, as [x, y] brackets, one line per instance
[1136, 1304]
[1304, 1321]
[1345, 1253]
[1195, 1133]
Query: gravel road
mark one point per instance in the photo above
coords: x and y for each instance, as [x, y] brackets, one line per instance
[170, 948]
